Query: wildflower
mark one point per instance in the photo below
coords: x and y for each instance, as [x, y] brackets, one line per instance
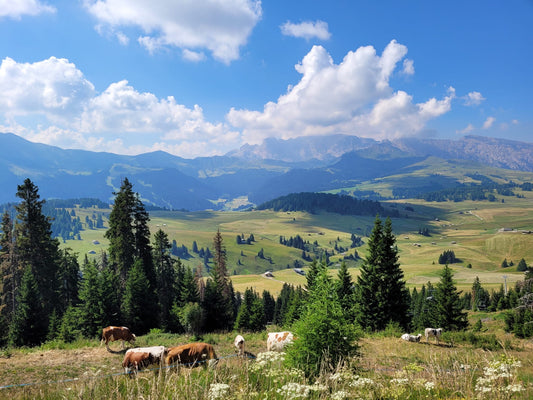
[400, 381]
[340, 395]
[429, 385]
[218, 391]
[294, 390]
[360, 382]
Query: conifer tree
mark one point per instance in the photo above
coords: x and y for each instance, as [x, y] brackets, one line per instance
[69, 279]
[448, 311]
[345, 290]
[381, 294]
[138, 308]
[38, 250]
[10, 273]
[325, 337]
[269, 305]
[26, 328]
[165, 277]
[251, 315]
[90, 309]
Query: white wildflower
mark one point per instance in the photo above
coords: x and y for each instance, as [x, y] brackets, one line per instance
[340, 395]
[400, 381]
[360, 382]
[218, 391]
[429, 385]
[294, 390]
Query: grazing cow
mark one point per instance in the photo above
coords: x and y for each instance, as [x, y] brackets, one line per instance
[156, 356]
[137, 360]
[436, 332]
[239, 345]
[191, 354]
[278, 340]
[411, 338]
[112, 333]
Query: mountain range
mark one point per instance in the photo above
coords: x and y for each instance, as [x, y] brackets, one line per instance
[247, 176]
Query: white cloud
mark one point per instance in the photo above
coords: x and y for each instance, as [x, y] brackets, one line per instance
[307, 30]
[51, 102]
[193, 55]
[474, 99]
[220, 27]
[408, 67]
[53, 87]
[352, 97]
[469, 128]
[17, 8]
[488, 122]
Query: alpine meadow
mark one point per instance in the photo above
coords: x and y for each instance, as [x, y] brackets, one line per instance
[255, 200]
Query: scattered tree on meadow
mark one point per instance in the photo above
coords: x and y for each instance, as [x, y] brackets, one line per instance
[325, 336]
[448, 313]
[381, 294]
[522, 266]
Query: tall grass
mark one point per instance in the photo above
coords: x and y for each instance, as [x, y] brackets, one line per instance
[387, 368]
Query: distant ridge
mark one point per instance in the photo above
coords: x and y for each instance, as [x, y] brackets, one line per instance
[254, 174]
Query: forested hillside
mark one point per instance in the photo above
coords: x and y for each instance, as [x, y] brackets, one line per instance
[325, 202]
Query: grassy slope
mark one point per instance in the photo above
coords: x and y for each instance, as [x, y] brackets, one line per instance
[470, 229]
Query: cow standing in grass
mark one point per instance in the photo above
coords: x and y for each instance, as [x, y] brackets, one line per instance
[113, 333]
[239, 345]
[435, 332]
[141, 357]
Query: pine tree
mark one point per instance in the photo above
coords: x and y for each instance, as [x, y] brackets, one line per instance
[69, 279]
[381, 294]
[26, 328]
[10, 273]
[165, 277]
[137, 303]
[448, 311]
[37, 249]
[90, 309]
[120, 233]
[314, 269]
[269, 305]
[251, 315]
[345, 291]
[325, 337]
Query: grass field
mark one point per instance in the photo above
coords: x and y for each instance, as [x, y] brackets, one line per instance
[457, 368]
[470, 229]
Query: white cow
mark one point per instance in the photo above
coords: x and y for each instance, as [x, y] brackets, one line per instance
[278, 340]
[411, 338]
[436, 332]
[239, 345]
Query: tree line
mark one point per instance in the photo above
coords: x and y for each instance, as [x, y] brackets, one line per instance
[47, 295]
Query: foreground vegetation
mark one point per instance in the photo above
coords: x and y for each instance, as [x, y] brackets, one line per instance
[487, 365]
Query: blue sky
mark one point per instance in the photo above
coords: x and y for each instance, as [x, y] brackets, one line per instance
[200, 78]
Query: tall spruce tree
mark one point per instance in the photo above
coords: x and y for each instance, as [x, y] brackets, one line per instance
[137, 303]
[448, 310]
[381, 294]
[37, 250]
[26, 328]
[90, 308]
[345, 291]
[165, 277]
[10, 273]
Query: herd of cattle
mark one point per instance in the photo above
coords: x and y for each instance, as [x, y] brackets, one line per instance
[194, 354]
[191, 354]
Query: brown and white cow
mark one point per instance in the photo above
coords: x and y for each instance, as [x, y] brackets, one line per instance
[436, 332]
[137, 360]
[277, 341]
[141, 357]
[192, 354]
[112, 333]
[239, 345]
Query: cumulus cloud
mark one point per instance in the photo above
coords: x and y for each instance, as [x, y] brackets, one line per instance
[474, 99]
[307, 30]
[17, 8]
[221, 27]
[352, 97]
[67, 111]
[488, 122]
